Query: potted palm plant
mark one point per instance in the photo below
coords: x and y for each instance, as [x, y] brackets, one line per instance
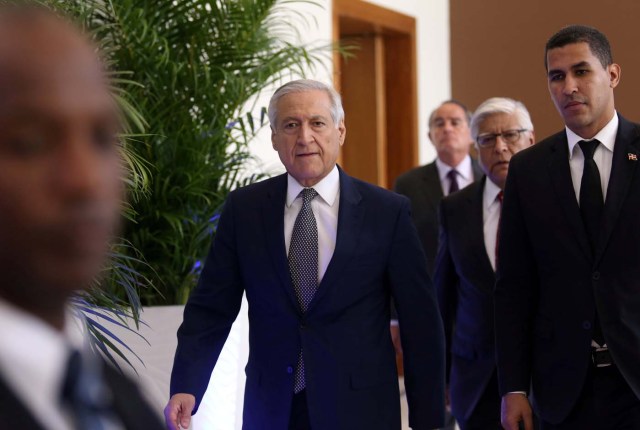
[188, 73]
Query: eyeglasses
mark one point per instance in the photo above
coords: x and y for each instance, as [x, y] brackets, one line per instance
[509, 136]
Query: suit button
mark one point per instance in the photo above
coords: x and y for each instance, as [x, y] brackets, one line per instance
[303, 326]
[595, 276]
[289, 370]
[586, 325]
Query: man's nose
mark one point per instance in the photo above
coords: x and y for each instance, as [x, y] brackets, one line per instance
[570, 85]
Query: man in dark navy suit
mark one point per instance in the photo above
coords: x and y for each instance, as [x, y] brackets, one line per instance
[319, 255]
[464, 275]
[61, 191]
[567, 298]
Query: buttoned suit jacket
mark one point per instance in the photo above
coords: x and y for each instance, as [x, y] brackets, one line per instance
[351, 376]
[422, 186]
[549, 284]
[464, 281]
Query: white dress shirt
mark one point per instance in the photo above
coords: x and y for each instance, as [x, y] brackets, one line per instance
[490, 217]
[465, 174]
[325, 209]
[603, 156]
[33, 361]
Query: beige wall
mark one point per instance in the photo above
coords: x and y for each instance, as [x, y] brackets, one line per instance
[497, 49]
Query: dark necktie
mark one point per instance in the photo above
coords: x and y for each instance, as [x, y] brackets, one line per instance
[591, 205]
[499, 198]
[85, 395]
[303, 266]
[453, 181]
[591, 200]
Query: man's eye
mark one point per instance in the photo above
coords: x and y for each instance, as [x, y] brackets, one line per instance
[28, 143]
[556, 77]
[290, 125]
[105, 138]
[318, 123]
[581, 72]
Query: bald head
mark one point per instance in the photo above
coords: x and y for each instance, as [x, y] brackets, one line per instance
[60, 168]
[36, 45]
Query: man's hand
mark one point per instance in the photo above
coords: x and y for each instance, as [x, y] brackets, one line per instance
[447, 399]
[515, 409]
[395, 338]
[178, 411]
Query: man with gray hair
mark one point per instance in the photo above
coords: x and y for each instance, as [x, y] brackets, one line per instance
[466, 263]
[320, 255]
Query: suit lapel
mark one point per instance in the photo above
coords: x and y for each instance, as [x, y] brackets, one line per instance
[563, 186]
[350, 223]
[13, 412]
[273, 210]
[622, 171]
[431, 185]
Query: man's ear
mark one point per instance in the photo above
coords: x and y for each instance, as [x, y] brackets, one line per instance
[273, 139]
[342, 130]
[614, 74]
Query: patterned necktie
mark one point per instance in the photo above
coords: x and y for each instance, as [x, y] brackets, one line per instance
[453, 181]
[303, 266]
[85, 394]
[591, 205]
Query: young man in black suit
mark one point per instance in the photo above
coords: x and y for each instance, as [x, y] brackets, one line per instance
[567, 302]
[465, 266]
[61, 191]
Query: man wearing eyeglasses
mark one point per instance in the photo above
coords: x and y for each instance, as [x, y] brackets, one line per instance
[567, 296]
[466, 261]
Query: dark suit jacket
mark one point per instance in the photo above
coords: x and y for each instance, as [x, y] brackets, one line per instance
[132, 410]
[549, 285]
[349, 358]
[422, 186]
[464, 281]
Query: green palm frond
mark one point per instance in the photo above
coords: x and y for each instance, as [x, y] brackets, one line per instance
[187, 73]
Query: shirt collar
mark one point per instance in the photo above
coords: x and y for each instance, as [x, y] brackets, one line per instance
[327, 188]
[32, 353]
[464, 169]
[490, 193]
[606, 136]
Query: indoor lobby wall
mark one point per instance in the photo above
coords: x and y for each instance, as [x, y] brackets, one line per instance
[497, 49]
[433, 65]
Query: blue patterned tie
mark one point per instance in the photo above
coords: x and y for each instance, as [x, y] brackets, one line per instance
[303, 266]
[85, 394]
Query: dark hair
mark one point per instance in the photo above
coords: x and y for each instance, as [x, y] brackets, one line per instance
[467, 112]
[597, 42]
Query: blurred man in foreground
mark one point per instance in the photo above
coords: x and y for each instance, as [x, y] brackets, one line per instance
[61, 189]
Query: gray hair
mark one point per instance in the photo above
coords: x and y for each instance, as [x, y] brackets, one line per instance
[497, 105]
[303, 85]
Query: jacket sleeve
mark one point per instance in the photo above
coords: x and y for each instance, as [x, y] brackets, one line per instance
[209, 313]
[446, 281]
[516, 289]
[421, 325]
